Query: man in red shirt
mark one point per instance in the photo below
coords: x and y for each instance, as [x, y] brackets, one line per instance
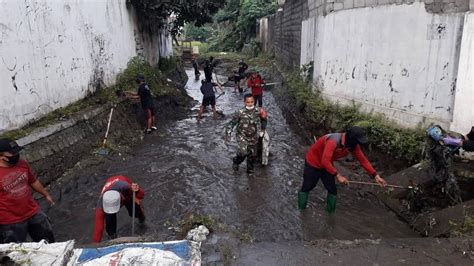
[319, 164]
[20, 214]
[117, 192]
[256, 83]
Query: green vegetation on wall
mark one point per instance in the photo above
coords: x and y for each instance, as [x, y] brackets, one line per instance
[125, 81]
[399, 142]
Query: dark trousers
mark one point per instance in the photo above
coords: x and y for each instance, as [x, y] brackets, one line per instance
[311, 177]
[259, 99]
[468, 145]
[111, 219]
[38, 227]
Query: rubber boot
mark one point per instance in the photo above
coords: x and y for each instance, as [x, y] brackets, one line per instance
[236, 161]
[250, 164]
[331, 203]
[302, 200]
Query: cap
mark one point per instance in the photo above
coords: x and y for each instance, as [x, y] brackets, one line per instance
[357, 134]
[140, 77]
[9, 145]
[111, 201]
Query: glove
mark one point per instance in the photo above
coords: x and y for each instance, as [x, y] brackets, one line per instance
[450, 141]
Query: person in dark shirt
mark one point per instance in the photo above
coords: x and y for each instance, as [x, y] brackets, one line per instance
[208, 68]
[239, 75]
[144, 94]
[209, 97]
[197, 73]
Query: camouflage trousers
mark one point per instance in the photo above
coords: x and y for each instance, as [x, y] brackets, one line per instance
[38, 227]
[247, 150]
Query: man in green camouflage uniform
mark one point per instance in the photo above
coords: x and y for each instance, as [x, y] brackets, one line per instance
[246, 121]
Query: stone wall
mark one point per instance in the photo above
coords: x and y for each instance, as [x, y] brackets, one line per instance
[56, 148]
[284, 31]
[324, 7]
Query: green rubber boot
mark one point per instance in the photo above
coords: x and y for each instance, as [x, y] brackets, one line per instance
[331, 203]
[302, 200]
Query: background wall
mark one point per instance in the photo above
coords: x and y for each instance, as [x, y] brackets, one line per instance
[463, 117]
[56, 52]
[395, 57]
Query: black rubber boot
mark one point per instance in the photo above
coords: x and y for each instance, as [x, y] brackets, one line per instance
[250, 164]
[236, 161]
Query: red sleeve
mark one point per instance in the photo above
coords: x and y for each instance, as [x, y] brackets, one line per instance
[140, 194]
[326, 159]
[359, 155]
[249, 83]
[99, 225]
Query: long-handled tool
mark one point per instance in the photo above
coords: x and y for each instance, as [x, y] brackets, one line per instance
[103, 150]
[375, 184]
[220, 95]
[133, 214]
[270, 84]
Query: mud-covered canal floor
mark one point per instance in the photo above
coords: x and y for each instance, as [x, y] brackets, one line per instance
[185, 169]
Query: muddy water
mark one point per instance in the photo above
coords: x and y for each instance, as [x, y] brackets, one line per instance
[185, 168]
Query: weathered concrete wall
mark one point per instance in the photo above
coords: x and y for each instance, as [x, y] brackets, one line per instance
[463, 117]
[396, 59]
[56, 52]
[263, 34]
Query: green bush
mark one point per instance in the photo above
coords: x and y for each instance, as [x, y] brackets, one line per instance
[397, 141]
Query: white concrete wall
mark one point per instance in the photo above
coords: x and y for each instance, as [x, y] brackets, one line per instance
[396, 59]
[53, 52]
[308, 40]
[463, 118]
[263, 33]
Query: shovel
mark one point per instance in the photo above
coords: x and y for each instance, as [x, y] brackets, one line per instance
[103, 150]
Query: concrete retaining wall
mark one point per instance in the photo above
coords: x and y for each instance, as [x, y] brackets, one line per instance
[56, 148]
[395, 57]
[55, 52]
[398, 60]
[463, 116]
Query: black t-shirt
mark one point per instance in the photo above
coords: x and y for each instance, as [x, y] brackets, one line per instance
[208, 72]
[207, 89]
[242, 68]
[145, 96]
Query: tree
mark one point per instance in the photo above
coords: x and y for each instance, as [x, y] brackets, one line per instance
[192, 32]
[152, 14]
[240, 19]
